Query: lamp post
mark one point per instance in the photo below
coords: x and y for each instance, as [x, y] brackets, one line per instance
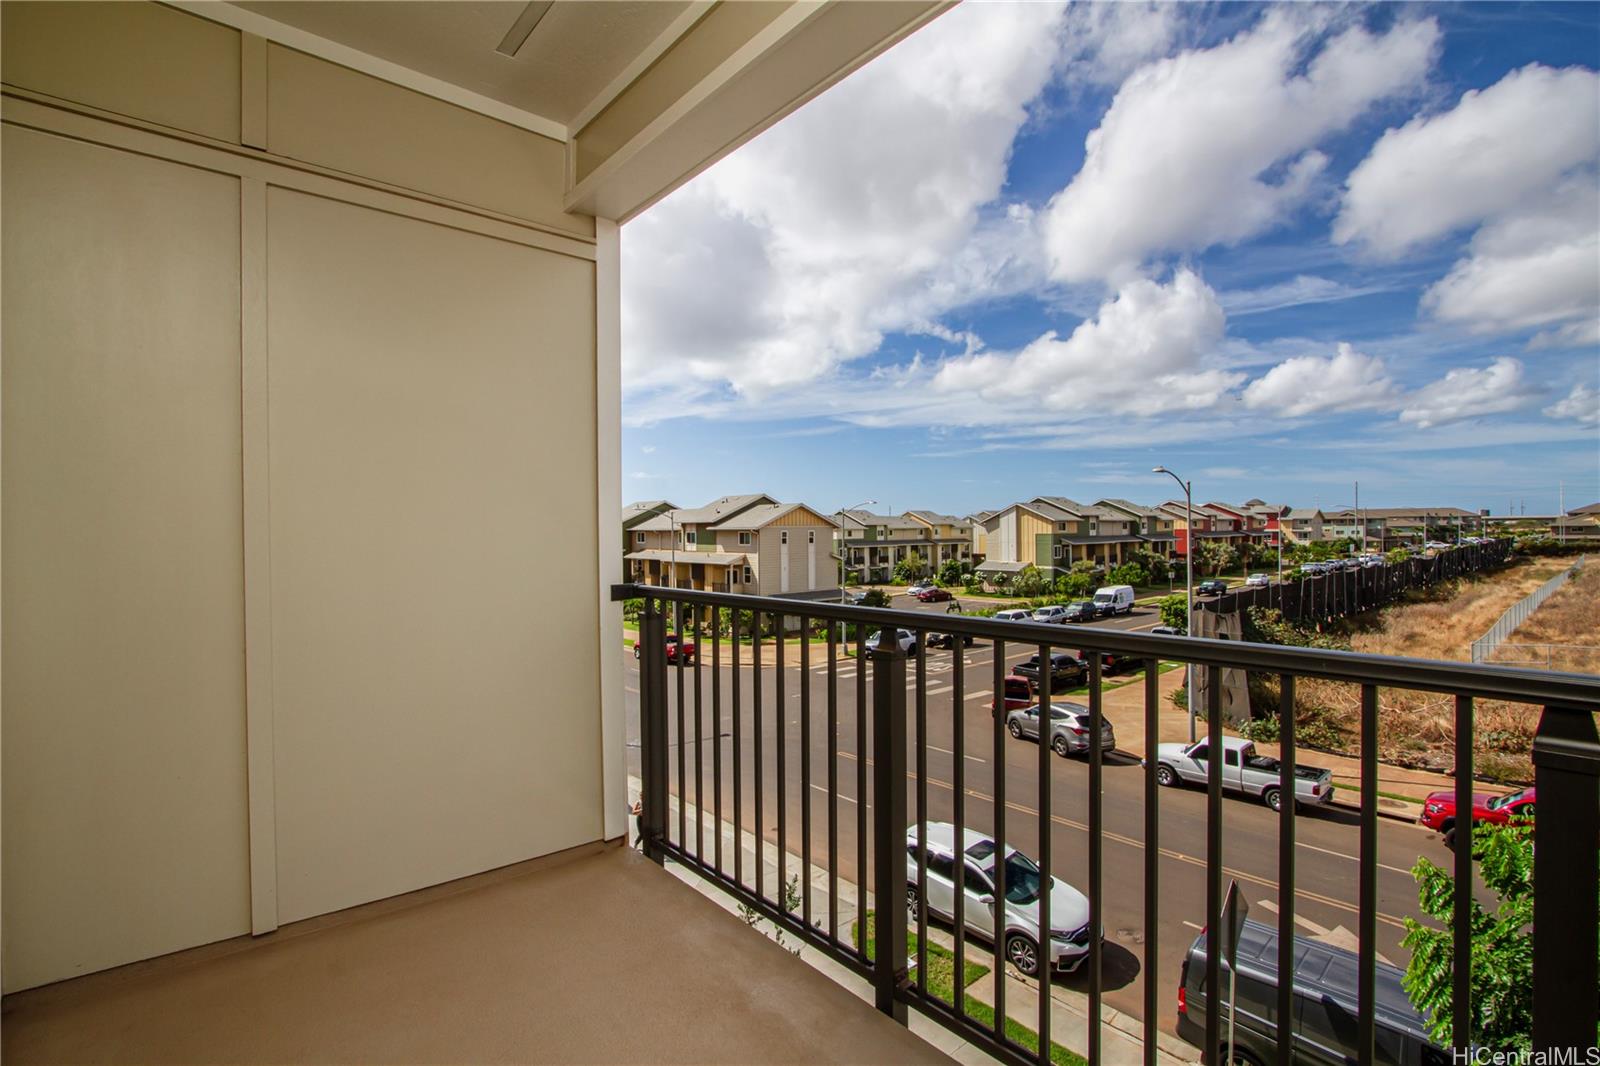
[1188, 585]
[672, 524]
[846, 511]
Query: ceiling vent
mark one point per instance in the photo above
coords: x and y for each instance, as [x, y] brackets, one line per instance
[523, 28]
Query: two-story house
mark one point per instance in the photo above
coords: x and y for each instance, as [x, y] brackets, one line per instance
[785, 548]
[873, 544]
[677, 547]
[1088, 533]
[980, 540]
[948, 537]
[1152, 524]
[1302, 525]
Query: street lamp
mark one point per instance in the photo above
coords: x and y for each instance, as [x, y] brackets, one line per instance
[846, 511]
[1188, 584]
[672, 524]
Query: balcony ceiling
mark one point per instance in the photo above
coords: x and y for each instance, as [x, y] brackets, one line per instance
[576, 50]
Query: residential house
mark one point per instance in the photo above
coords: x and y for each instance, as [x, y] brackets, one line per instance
[980, 540]
[1386, 528]
[1012, 538]
[779, 549]
[1302, 525]
[948, 537]
[683, 536]
[1087, 533]
[1210, 523]
[873, 544]
[1154, 525]
[641, 511]
[1265, 521]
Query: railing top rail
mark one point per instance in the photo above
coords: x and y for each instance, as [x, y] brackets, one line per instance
[1514, 684]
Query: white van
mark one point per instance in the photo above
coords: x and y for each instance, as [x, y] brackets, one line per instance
[1114, 599]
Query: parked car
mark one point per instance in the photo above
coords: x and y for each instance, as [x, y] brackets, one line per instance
[1015, 921]
[906, 639]
[1016, 691]
[1112, 662]
[1065, 669]
[1242, 771]
[1069, 728]
[1082, 611]
[947, 640]
[1257, 581]
[1054, 613]
[1165, 631]
[1012, 616]
[675, 648]
[931, 594]
[1439, 810]
[1213, 587]
[1114, 599]
[1326, 1003]
[1310, 569]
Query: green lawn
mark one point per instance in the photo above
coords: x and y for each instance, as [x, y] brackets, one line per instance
[941, 983]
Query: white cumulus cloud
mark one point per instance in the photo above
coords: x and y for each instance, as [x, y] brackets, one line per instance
[1581, 405]
[1467, 392]
[875, 208]
[1142, 353]
[1216, 145]
[1309, 384]
[1486, 156]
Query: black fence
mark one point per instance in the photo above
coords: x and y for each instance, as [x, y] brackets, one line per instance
[886, 734]
[1321, 597]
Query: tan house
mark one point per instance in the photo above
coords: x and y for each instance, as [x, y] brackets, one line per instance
[1302, 525]
[686, 537]
[1152, 524]
[980, 538]
[873, 544]
[786, 550]
[947, 536]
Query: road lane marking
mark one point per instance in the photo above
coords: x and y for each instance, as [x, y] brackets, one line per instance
[947, 751]
[1195, 927]
[824, 788]
[1352, 858]
[1316, 930]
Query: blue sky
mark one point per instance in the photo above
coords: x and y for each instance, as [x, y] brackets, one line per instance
[1039, 249]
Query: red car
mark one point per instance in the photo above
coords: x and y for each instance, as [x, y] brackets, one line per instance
[674, 648]
[931, 594]
[1017, 695]
[1439, 810]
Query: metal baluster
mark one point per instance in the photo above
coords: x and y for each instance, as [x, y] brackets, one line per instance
[805, 771]
[958, 999]
[716, 738]
[653, 729]
[999, 780]
[1286, 812]
[958, 746]
[861, 777]
[1046, 682]
[922, 820]
[1367, 872]
[738, 755]
[1214, 759]
[780, 738]
[1096, 868]
[761, 822]
[1152, 851]
[699, 758]
[833, 787]
[1461, 924]
[683, 798]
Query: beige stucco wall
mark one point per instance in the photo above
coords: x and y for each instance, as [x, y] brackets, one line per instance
[275, 526]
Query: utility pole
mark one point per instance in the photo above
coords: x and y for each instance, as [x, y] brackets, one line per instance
[1361, 519]
[1561, 509]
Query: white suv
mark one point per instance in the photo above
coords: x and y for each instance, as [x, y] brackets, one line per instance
[906, 639]
[1056, 614]
[1069, 910]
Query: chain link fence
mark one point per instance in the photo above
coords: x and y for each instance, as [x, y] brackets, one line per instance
[1484, 648]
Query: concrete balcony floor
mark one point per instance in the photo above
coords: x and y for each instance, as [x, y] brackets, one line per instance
[593, 956]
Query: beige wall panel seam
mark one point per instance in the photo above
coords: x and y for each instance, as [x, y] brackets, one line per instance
[66, 119]
[608, 503]
[253, 91]
[257, 555]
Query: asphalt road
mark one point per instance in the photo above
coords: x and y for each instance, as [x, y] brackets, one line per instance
[1326, 869]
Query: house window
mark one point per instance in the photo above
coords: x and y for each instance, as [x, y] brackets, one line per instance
[638, 538]
[744, 537]
[689, 535]
[783, 538]
[811, 537]
[882, 532]
[1061, 527]
[733, 572]
[1056, 551]
[747, 577]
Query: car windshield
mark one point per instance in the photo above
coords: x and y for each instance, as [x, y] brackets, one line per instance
[1022, 878]
[1506, 800]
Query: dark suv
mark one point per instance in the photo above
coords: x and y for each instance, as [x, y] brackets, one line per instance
[1211, 588]
[1325, 1005]
[1081, 611]
[1065, 669]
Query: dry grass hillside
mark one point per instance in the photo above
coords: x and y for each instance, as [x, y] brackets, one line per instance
[1564, 633]
[1418, 729]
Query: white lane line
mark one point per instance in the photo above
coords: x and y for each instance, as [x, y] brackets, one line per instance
[978, 695]
[1352, 858]
[1191, 925]
[1271, 907]
[934, 690]
[947, 751]
[823, 788]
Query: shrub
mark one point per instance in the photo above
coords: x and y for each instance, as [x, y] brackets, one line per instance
[1129, 574]
[952, 572]
[1028, 581]
[1262, 729]
[875, 598]
[911, 568]
[1174, 612]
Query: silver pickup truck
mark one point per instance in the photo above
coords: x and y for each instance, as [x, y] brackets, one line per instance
[1242, 771]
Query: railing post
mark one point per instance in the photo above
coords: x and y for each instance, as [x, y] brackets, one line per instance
[1566, 772]
[889, 823]
[653, 727]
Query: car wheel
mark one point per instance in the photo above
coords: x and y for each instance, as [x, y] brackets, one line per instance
[1014, 727]
[913, 902]
[1165, 775]
[1023, 953]
[636, 651]
[1273, 798]
[1238, 1056]
[1059, 746]
[1450, 836]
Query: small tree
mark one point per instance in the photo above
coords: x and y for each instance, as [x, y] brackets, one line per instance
[1028, 581]
[910, 568]
[1077, 586]
[951, 572]
[1215, 557]
[1129, 574]
[1174, 612]
[1397, 555]
[874, 597]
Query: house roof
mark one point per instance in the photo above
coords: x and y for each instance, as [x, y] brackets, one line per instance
[1001, 566]
[720, 508]
[867, 518]
[1129, 507]
[1045, 509]
[640, 506]
[982, 516]
[766, 514]
[1304, 512]
[1226, 509]
[934, 518]
[1593, 508]
[663, 555]
[1073, 507]
[1402, 512]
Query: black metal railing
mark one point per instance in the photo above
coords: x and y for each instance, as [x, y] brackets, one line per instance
[900, 713]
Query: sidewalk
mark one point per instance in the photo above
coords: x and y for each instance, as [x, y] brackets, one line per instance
[1121, 1036]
